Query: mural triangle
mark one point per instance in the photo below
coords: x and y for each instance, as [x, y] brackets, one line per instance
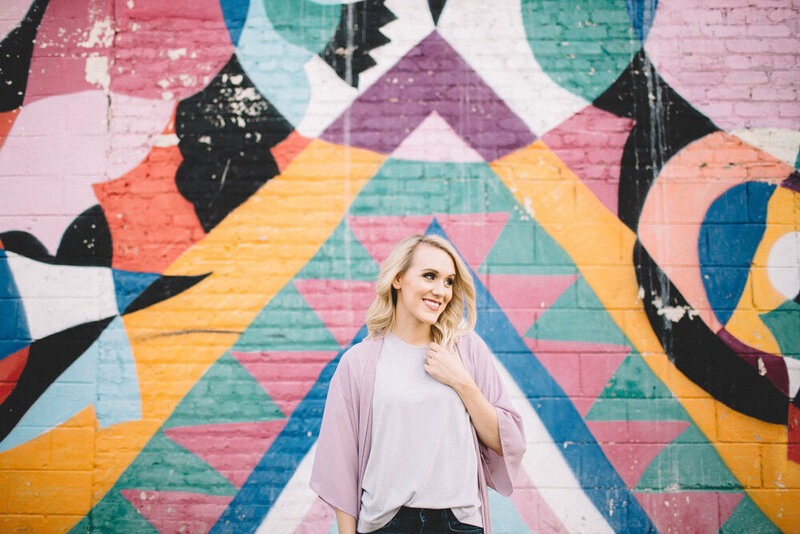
[10, 368]
[435, 132]
[341, 256]
[128, 285]
[340, 304]
[233, 449]
[114, 514]
[524, 247]
[533, 508]
[380, 234]
[689, 511]
[286, 376]
[748, 517]
[473, 234]
[178, 511]
[269, 331]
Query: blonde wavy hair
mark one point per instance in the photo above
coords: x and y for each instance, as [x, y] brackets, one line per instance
[452, 323]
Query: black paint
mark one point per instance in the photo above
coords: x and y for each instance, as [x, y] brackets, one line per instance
[162, 289]
[16, 51]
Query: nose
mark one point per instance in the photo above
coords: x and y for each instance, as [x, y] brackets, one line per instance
[438, 288]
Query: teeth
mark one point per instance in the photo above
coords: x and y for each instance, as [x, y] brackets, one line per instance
[431, 303]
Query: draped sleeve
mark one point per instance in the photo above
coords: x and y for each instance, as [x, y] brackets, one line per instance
[500, 470]
[335, 472]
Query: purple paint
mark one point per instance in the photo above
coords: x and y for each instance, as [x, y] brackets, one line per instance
[775, 365]
[792, 182]
[431, 77]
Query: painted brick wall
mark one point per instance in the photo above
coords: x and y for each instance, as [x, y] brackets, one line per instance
[195, 197]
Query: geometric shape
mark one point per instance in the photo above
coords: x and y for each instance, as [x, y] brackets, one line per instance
[641, 13]
[7, 119]
[235, 14]
[783, 265]
[436, 7]
[505, 515]
[564, 43]
[689, 511]
[631, 445]
[319, 519]
[523, 297]
[473, 234]
[591, 144]
[233, 449]
[56, 296]
[53, 386]
[729, 236]
[748, 517]
[177, 511]
[341, 256]
[781, 143]
[793, 370]
[775, 368]
[14, 334]
[435, 132]
[165, 287]
[581, 369]
[533, 508]
[128, 285]
[285, 151]
[226, 393]
[340, 304]
[10, 368]
[15, 52]
[432, 76]
[783, 322]
[87, 240]
[380, 234]
[285, 376]
[525, 247]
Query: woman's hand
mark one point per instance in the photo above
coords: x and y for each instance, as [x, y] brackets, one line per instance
[445, 365]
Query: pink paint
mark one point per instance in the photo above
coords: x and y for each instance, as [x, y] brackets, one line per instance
[631, 446]
[706, 34]
[698, 512]
[340, 304]
[435, 140]
[581, 369]
[318, 520]
[286, 376]
[379, 234]
[473, 234]
[13, 13]
[532, 508]
[233, 449]
[177, 512]
[523, 298]
[590, 143]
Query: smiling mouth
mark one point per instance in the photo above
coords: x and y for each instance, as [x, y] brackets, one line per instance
[432, 304]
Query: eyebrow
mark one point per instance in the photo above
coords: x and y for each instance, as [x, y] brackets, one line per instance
[432, 270]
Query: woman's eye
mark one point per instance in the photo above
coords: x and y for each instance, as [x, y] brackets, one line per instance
[449, 281]
[429, 276]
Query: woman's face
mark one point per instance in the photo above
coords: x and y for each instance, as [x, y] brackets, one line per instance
[425, 289]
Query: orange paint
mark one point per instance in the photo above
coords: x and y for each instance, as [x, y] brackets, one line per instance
[288, 149]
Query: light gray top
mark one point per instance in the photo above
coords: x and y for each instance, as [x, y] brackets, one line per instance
[422, 453]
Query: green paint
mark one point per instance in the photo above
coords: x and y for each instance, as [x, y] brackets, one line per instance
[341, 257]
[113, 514]
[227, 393]
[797, 161]
[303, 22]
[571, 319]
[583, 48]
[784, 323]
[163, 465]
[287, 322]
[748, 518]
[524, 247]
[690, 462]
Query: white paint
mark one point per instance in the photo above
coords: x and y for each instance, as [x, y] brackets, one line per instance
[674, 313]
[435, 140]
[793, 370]
[57, 297]
[783, 265]
[176, 53]
[503, 59]
[548, 470]
[294, 502]
[96, 70]
[13, 12]
[101, 34]
[166, 140]
[330, 97]
[782, 143]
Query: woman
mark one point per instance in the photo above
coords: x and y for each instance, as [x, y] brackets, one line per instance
[416, 422]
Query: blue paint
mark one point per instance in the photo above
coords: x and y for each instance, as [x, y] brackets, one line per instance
[729, 236]
[505, 518]
[14, 333]
[235, 13]
[641, 13]
[128, 285]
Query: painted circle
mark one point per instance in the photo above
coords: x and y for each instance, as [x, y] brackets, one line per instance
[783, 265]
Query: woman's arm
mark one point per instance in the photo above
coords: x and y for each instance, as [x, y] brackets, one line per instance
[446, 366]
[345, 522]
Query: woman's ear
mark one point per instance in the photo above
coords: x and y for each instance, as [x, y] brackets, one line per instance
[396, 282]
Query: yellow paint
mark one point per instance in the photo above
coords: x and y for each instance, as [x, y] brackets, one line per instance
[251, 255]
[551, 192]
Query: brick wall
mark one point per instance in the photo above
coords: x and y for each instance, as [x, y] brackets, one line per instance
[195, 198]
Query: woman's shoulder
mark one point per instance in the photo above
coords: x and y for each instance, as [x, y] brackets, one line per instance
[359, 354]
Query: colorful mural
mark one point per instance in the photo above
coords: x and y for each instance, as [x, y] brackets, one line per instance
[195, 198]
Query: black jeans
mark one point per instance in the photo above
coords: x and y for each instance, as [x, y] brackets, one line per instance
[426, 521]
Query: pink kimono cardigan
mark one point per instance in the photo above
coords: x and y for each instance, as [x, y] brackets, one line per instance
[344, 438]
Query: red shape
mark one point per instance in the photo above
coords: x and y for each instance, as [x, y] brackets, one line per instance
[233, 449]
[793, 443]
[630, 446]
[473, 234]
[10, 368]
[288, 149]
[178, 511]
[7, 119]
[318, 520]
[151, 223]
[532, 508]
[286, 376]
[698, 512]
[591, 143]
[523, 297]
[340, 304]
[581, 369]
[380, 234]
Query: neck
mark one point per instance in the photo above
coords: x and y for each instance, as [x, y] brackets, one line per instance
[412, 332]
